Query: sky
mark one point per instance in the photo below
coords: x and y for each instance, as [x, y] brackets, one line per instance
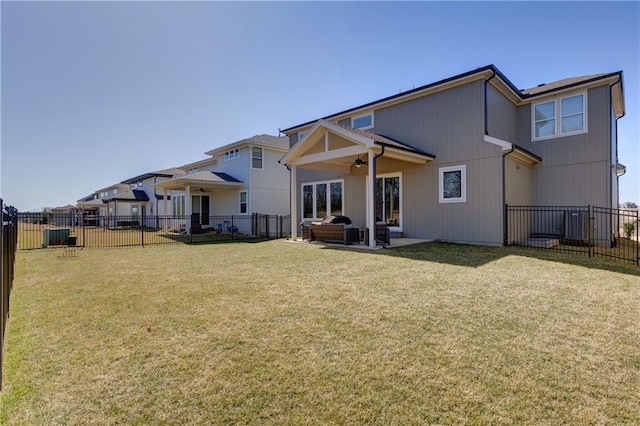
[94, 93]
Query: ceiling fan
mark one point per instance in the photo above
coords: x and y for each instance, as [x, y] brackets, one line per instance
[203, 190]
[359, 162]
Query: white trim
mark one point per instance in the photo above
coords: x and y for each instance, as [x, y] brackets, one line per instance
[401, 201]
[557, 105]
[463, 184]
[501, 143]
[314, 207]
[331, 155]
[371, 126]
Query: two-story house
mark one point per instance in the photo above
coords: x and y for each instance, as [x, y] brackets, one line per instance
[441, 161]
[239, 179]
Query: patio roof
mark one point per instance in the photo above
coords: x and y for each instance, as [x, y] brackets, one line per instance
[360, 142]
[203, 179]
[130, 195]
[92, 204]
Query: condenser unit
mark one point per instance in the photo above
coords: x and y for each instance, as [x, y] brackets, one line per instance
[576, 225]
[55, 236]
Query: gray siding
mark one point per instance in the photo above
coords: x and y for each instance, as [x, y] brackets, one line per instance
[575, 170]
[345, 122]
[293, 139]
[518, 184]
[502, 116]
[450, 125]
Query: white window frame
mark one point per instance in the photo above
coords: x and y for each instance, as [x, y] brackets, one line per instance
[315, 207]
[463, 184]
[401, 201]
[232, 155]
[558, 116]
[178, 205]
[371, 126]
[246, 202]
[261, 158]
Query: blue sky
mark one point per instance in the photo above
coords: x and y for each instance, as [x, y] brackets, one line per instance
[96, 93]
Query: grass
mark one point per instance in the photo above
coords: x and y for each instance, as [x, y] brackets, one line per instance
[277, 333]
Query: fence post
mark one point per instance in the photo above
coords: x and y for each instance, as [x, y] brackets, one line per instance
[589, 231]
[505, 226]
[637, 244]
[266, 227]
[142, 218]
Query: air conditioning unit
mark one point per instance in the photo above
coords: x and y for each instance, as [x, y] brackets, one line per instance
[55, 236]
[576, 225]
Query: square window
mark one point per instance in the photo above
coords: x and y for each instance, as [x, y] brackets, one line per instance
[453, 186]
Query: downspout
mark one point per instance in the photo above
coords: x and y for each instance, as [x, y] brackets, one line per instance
[504, 155]
[486, 106]
[505, 235]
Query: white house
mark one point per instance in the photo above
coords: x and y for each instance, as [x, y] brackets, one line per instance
[237, 179]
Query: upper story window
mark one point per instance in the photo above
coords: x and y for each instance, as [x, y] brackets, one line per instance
[256, 157]
[301, 135]
[362, 122]
[231, 155]
[192, 171]
[559, 117]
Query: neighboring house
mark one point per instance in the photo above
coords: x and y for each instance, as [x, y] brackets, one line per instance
[239, 179]
[142, 197]
[122, 203]
[68, 215]
[442, 160]
[95, 207]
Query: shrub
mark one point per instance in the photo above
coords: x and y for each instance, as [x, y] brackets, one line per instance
[629, 227]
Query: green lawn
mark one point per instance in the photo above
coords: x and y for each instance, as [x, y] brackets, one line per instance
[276, 332]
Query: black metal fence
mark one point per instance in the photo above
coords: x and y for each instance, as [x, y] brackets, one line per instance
[38, 230]
[8, 238]
[588, 230]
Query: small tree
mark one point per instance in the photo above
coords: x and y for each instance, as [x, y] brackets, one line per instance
[44, 216]
[629, 227]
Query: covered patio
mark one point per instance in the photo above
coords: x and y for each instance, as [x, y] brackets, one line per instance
[194, 196]
[342, 150]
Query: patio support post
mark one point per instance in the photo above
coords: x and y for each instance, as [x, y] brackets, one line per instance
[187, 209]
[371, 201]
[294, 204]
[165, 205]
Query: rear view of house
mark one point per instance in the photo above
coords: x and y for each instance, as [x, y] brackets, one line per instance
[443, 160]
